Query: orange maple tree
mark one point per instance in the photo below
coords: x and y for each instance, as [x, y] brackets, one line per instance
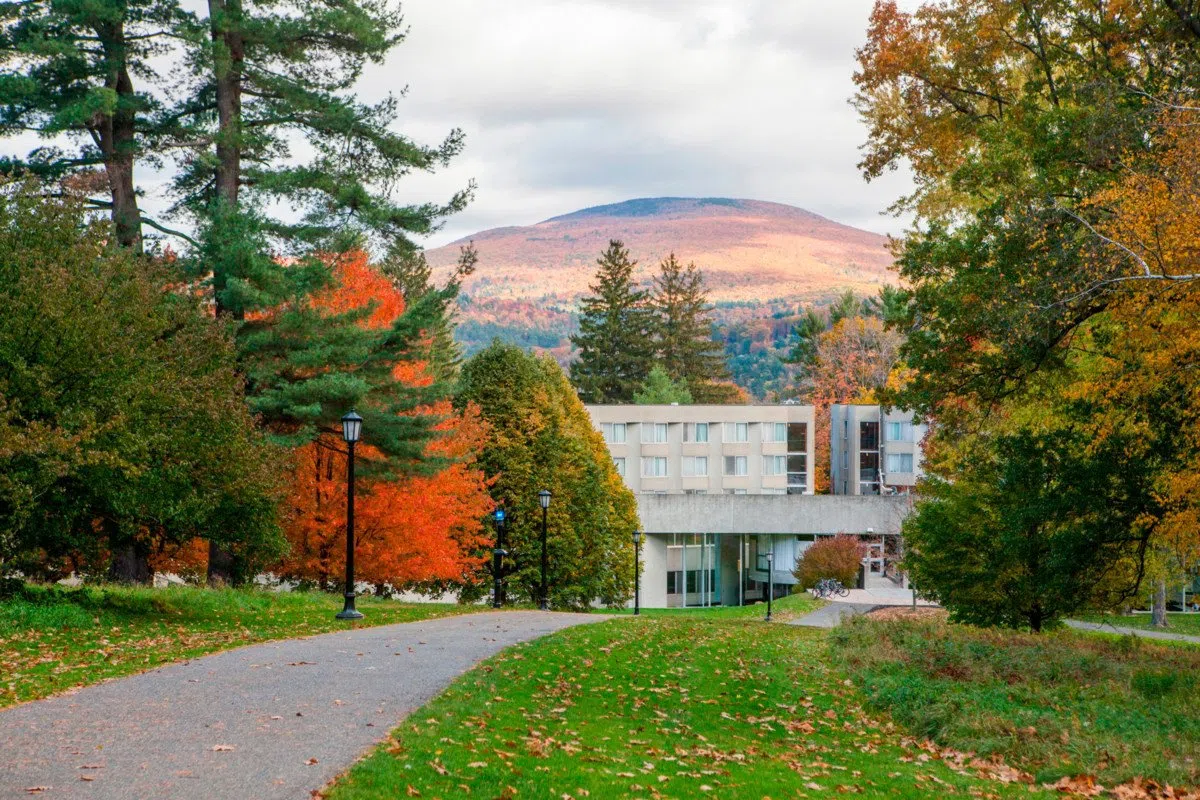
[422, 527]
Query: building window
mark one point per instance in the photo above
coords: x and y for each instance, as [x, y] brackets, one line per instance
[619, 463]
[868, 436]
[774, 465]
[736, 465]
[695, 432]
[899, 462]
[654, 432]
[695, 491]
[735, 491]
[797, 437]
[737, 431]
[797, 473]
[614, 432]
[899, 432]
[774, 431]
[654, 467]
[774, 491]
[695, 466]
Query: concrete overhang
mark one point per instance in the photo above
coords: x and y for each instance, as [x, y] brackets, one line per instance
[782, 514]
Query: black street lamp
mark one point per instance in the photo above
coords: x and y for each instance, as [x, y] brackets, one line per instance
[498, 557]
[544, 500]
[351, 430]
[637, 553]
[770, 579]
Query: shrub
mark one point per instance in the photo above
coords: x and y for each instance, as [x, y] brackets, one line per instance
[837, 557]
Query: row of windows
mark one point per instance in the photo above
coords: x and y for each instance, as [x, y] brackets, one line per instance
[896, 463]
[794, 433]
[868, 433]
[697, 466]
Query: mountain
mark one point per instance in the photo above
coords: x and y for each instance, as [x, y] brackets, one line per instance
[761, 262]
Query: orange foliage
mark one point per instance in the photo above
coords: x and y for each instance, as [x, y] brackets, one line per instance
[416, 528]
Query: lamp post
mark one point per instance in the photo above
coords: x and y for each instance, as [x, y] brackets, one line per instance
[544, 501]
[351, 430]
[498, 557]
[637, 553]
[770, 579]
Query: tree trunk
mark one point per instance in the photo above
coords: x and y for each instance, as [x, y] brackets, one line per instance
[221, 566]
[130, 563]
[1159, 614]
[229, 53]
[117, 135]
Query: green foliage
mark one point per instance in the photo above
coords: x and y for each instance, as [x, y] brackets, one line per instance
[837, 557]
[1037, 523]
[1059, 705]
[122, 423]
[682, 330]
[59, 638]
[660, 389]
[542, 438]
[615, 328]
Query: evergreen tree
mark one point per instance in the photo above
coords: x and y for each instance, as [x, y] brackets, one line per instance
[541, 437]
[659, 389]
[615, 327]
[69, 68]
[683, 330]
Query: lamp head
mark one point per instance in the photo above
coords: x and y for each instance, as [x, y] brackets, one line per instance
[637, 538]
[544, 498]
[498, 514]
[351, 427]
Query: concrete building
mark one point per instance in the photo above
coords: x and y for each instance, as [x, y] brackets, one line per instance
[872, 451]
[702, 449]
[720, 487]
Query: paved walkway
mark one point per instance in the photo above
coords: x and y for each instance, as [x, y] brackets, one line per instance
[1105, 627]
[832, 614]
[274, 720]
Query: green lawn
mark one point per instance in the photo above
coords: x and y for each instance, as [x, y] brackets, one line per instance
[782, 610]
[676, 705]
[53, 638]
[1056, 704]
[1188, 623]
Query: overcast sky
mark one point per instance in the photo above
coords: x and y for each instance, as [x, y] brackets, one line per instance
[572, 103]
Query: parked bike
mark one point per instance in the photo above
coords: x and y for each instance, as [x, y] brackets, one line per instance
[828, 587]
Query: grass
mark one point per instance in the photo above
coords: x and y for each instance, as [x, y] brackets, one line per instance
[53, 638]
[669, 705]
[1057, 704]
[1177, 622]
[782, 610]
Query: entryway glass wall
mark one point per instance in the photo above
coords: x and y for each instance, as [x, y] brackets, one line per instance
[693, 570]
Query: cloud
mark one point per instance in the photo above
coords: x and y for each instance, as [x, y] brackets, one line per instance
[568, 103]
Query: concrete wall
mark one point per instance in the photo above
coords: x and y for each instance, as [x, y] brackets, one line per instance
[795, 513]
[653, 586]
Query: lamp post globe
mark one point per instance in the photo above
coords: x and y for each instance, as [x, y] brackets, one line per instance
[637, 554]
[351, 431]
[544, 502]
[770, 582]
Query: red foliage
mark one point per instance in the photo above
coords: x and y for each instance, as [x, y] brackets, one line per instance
[833, 557]
[410, 529]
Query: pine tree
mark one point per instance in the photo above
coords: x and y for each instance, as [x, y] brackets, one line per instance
[69, 69]
[614, 339]
[683, 330]
[659, 389]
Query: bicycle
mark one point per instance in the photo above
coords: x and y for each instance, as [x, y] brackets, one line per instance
[828, 587]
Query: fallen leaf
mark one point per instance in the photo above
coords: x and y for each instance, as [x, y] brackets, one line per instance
[222, 748]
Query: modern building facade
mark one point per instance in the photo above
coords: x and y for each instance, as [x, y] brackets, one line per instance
[708, 449]
[873, 451]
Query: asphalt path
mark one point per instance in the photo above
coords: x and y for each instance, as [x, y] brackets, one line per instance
[275, 720]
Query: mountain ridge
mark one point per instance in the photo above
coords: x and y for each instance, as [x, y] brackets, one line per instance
[761, 260]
